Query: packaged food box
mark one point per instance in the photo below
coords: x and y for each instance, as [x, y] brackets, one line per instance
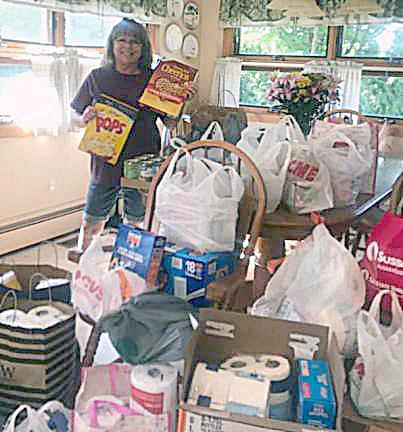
[189, 273]
[107, 133]
[138, 251]
[316, 404]
[166, 89]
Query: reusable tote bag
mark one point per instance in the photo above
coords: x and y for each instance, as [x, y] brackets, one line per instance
[102, 403]
[382, 265]
[37, 364]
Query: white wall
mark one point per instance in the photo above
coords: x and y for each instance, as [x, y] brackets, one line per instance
[38, 176]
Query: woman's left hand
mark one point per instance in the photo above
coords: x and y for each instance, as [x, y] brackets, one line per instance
[191, 90]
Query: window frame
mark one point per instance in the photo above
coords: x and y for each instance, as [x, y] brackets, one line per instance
[375, 66]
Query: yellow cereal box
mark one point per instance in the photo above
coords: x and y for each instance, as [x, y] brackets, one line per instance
[107, 133]
[166, 89]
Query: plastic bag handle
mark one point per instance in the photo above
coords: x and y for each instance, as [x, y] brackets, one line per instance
[38, 255]
[121, 409]
[31, 281]
[234, 176]
[13, 295]
[397, 313]
[171, 167]
[210, 128]
[10, 425]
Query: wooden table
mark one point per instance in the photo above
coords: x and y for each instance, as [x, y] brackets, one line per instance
[283, 225]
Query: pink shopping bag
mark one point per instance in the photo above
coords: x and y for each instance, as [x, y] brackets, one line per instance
[382, 265]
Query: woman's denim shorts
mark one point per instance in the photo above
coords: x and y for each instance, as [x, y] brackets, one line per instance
[101, 201]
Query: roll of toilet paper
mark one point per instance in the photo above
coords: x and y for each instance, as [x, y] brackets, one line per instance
[102, 411]
[154, 390]
[241, 363]
[46, 316]
[13, 317]
[277, 369]
[280, 406]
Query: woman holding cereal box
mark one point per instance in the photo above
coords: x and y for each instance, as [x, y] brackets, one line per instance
[123, 77]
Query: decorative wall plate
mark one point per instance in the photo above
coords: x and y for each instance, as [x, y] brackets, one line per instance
[191, 15]
[175, 8]
[173, 38]
[190, 46]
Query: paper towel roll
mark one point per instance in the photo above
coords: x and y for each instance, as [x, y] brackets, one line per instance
[13, 317]
[154, 390]
[46, 315]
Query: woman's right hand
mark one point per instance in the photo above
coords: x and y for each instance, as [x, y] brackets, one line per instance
[88, 114]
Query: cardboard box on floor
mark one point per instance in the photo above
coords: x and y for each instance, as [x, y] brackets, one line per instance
[250, 335]
[355, 423]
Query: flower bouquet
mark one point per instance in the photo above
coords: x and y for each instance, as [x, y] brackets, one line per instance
[305, 96]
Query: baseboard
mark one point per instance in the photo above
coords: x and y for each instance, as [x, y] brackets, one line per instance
[29, 234]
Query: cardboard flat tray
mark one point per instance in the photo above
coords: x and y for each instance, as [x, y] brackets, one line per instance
[141, 185]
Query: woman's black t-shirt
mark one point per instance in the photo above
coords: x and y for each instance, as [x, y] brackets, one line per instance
[144, 136]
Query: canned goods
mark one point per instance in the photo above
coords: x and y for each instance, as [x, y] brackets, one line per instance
[142, 167]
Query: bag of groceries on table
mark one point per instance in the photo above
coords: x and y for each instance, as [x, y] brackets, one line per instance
[307, 186]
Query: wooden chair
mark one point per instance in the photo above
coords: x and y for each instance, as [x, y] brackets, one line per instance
[231, 292]
[363, 226]
[344, 115]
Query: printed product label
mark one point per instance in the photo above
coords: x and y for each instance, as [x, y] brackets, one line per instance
[180, 287]
[106, 134]
[152, 402]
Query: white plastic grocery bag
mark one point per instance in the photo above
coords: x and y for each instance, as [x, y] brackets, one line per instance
[199, 209]
[271, 158]
[347, 163]
[38, 421]
[307, 185]
[319, 282]
[376, 380]
[95, 289]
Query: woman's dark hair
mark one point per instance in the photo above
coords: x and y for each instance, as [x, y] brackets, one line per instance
[135, 29]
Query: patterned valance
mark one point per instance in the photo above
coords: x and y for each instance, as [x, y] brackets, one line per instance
[234, 13]
[147, 10]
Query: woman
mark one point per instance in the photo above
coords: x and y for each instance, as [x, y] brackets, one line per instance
[125, 73]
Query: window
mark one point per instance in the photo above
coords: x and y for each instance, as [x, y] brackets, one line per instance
[88, 30]
[254, 87]
[283, 41]
[25, 23]
[373, 41]
[382, 96]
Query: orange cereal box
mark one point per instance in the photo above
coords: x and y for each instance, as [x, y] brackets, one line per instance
[166, 89]
[107, 133]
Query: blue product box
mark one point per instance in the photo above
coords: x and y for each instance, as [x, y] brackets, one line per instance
[316, 399]
[138, 251]
[189, 274]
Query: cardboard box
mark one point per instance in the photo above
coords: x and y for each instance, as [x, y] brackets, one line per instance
[139, 251]
[250, 335]
[166, 90]
[107, 133]
[189, 274]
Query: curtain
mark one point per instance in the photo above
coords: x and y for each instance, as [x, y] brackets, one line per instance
[236, 13]
[350, 75]
[226, 83]
[152, 11]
